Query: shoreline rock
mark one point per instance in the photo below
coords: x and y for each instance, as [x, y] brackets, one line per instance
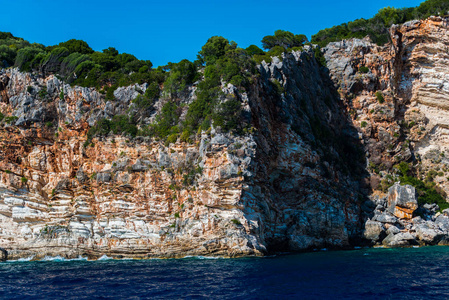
[3, 255]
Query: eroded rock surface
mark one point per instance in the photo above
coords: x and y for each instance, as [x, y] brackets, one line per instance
[289, 184]
[402, 201]
[320, 139]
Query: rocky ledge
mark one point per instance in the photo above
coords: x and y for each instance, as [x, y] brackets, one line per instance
[398, 222]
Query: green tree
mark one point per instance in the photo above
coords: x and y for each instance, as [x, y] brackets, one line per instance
[5, 35]
[214, 49]
[52, 61]
[181, 75]
[284, 39]
[25, 56]
[254, 50]
[108, 62]
[110, 51]
[7, 56]
[71, 62]
[79, 46]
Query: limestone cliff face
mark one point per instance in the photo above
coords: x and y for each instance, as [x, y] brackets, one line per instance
[400, 100]
[297, 180]
[398, 97]
[120, 196]
[287, 185]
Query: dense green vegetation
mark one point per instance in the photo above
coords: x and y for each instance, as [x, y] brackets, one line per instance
[284, 39]
[218, 61]
[77, 63]
[377, 27]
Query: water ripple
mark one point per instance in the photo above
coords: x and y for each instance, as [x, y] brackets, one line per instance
[415, 273]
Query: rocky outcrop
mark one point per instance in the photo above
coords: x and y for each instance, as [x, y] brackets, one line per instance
[3, 255]
[402, 201]
[296, 179]
[287, 184]
[391, 227]
[396, 95]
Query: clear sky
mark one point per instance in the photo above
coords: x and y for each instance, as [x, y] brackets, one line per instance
[171, 30]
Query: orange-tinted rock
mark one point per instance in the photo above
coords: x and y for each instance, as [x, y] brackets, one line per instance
[402, 200]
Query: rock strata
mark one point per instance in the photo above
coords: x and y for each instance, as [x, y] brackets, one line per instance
[287, 184]
[319, 140]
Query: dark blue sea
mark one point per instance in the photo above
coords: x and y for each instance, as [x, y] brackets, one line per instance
[416, 273]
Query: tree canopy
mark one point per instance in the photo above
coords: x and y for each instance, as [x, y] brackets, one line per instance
[284, 39]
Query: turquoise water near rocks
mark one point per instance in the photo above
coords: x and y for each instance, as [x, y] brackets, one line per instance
[412, 273]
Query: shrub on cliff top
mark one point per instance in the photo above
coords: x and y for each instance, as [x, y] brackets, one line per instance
[181, 75]
[5, 35]
[214, 49]
[25, 57]
[74, 45]
[284, 39]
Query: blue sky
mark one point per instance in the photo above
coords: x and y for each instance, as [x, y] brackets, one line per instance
[171, 30]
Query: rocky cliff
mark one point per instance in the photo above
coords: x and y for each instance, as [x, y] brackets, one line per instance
[285, 185]
[397, 96]
[321, 140]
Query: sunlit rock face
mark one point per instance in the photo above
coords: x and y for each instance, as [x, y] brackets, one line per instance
[286, 184]
[402, 201]
[398, 97]
[297, 179]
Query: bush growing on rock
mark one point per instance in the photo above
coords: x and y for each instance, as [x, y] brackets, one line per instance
[43, 92]
[181, 75]
[119, 124]
[7, 56]
[5, 35]
[254, 50]
[153, 91]
[52, 61]
[71, 62]
[214, 49]
[363, 69]
[380, 97]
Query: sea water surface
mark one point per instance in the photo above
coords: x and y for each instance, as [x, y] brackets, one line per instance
[414, 273]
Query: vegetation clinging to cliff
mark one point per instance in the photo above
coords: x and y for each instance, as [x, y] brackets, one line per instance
[377, 27]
